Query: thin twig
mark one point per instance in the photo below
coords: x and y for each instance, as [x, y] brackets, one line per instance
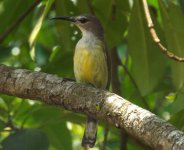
[155, 37]
[117, 61]
[18, 21]
[135, 84]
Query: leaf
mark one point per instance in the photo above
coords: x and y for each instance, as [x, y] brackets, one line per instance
[182, 4]
[148, 63]
[36, 115]
[83, 6]
[2, 125]
[5, 52]
[21, 112]
[61, 58]
[41, 55]
[113, 20]
[38, 26]
[173, 21]
[16, 9]
[59, 135]
[7, 99]
[176, 105]
[27, 139]
[3, 104]
[64, 28]
[61, 63]
[46, 114]
[178, 120]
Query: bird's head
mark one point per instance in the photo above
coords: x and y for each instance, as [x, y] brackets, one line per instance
[85, 23]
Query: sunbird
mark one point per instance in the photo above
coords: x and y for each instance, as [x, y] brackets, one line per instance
[91, 63]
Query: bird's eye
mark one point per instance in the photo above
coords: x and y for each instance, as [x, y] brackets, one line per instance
[83, 20]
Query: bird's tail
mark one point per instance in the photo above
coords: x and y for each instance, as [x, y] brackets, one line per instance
[89, 137]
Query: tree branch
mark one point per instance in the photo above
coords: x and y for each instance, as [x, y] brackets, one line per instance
[107, 106]
[155, 36]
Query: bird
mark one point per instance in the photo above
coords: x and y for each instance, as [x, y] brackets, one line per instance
[91, 63]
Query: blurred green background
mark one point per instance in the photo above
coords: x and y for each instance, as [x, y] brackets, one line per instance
[142, 74]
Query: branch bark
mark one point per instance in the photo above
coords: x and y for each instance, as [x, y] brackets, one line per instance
[107, 106]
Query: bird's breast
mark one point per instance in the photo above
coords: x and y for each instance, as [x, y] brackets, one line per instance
[90, 65]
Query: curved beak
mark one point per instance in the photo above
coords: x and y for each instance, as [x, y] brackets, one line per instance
[67, 18]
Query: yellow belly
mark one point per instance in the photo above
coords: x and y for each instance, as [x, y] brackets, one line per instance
[90, 66]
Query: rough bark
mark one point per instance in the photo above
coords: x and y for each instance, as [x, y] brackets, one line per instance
[138, 122]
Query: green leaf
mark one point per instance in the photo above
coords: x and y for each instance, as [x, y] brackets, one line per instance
[83, 6]
[64, 30]
[36, 115]
[3, 105]
[16, 9]
[27, 139]
[46, 114]
[182, 4]
[61, 58]
[113, 20]
[2, 125]
[176, 105]
[148, 63]
[21, 112]
[7, 99]
[61, 63]
[98, 6]
[178, 120]
[59, 135]
[5, 52]
[173, 21]
[41, 55]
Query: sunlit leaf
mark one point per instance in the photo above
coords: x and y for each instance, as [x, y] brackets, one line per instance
[3, 105]
[38, 26]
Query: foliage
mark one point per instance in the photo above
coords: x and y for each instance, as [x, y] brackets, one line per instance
[43, 45]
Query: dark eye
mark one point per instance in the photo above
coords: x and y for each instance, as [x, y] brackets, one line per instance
[83, 20]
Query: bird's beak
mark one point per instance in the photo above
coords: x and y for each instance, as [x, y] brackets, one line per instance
[67, 18]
